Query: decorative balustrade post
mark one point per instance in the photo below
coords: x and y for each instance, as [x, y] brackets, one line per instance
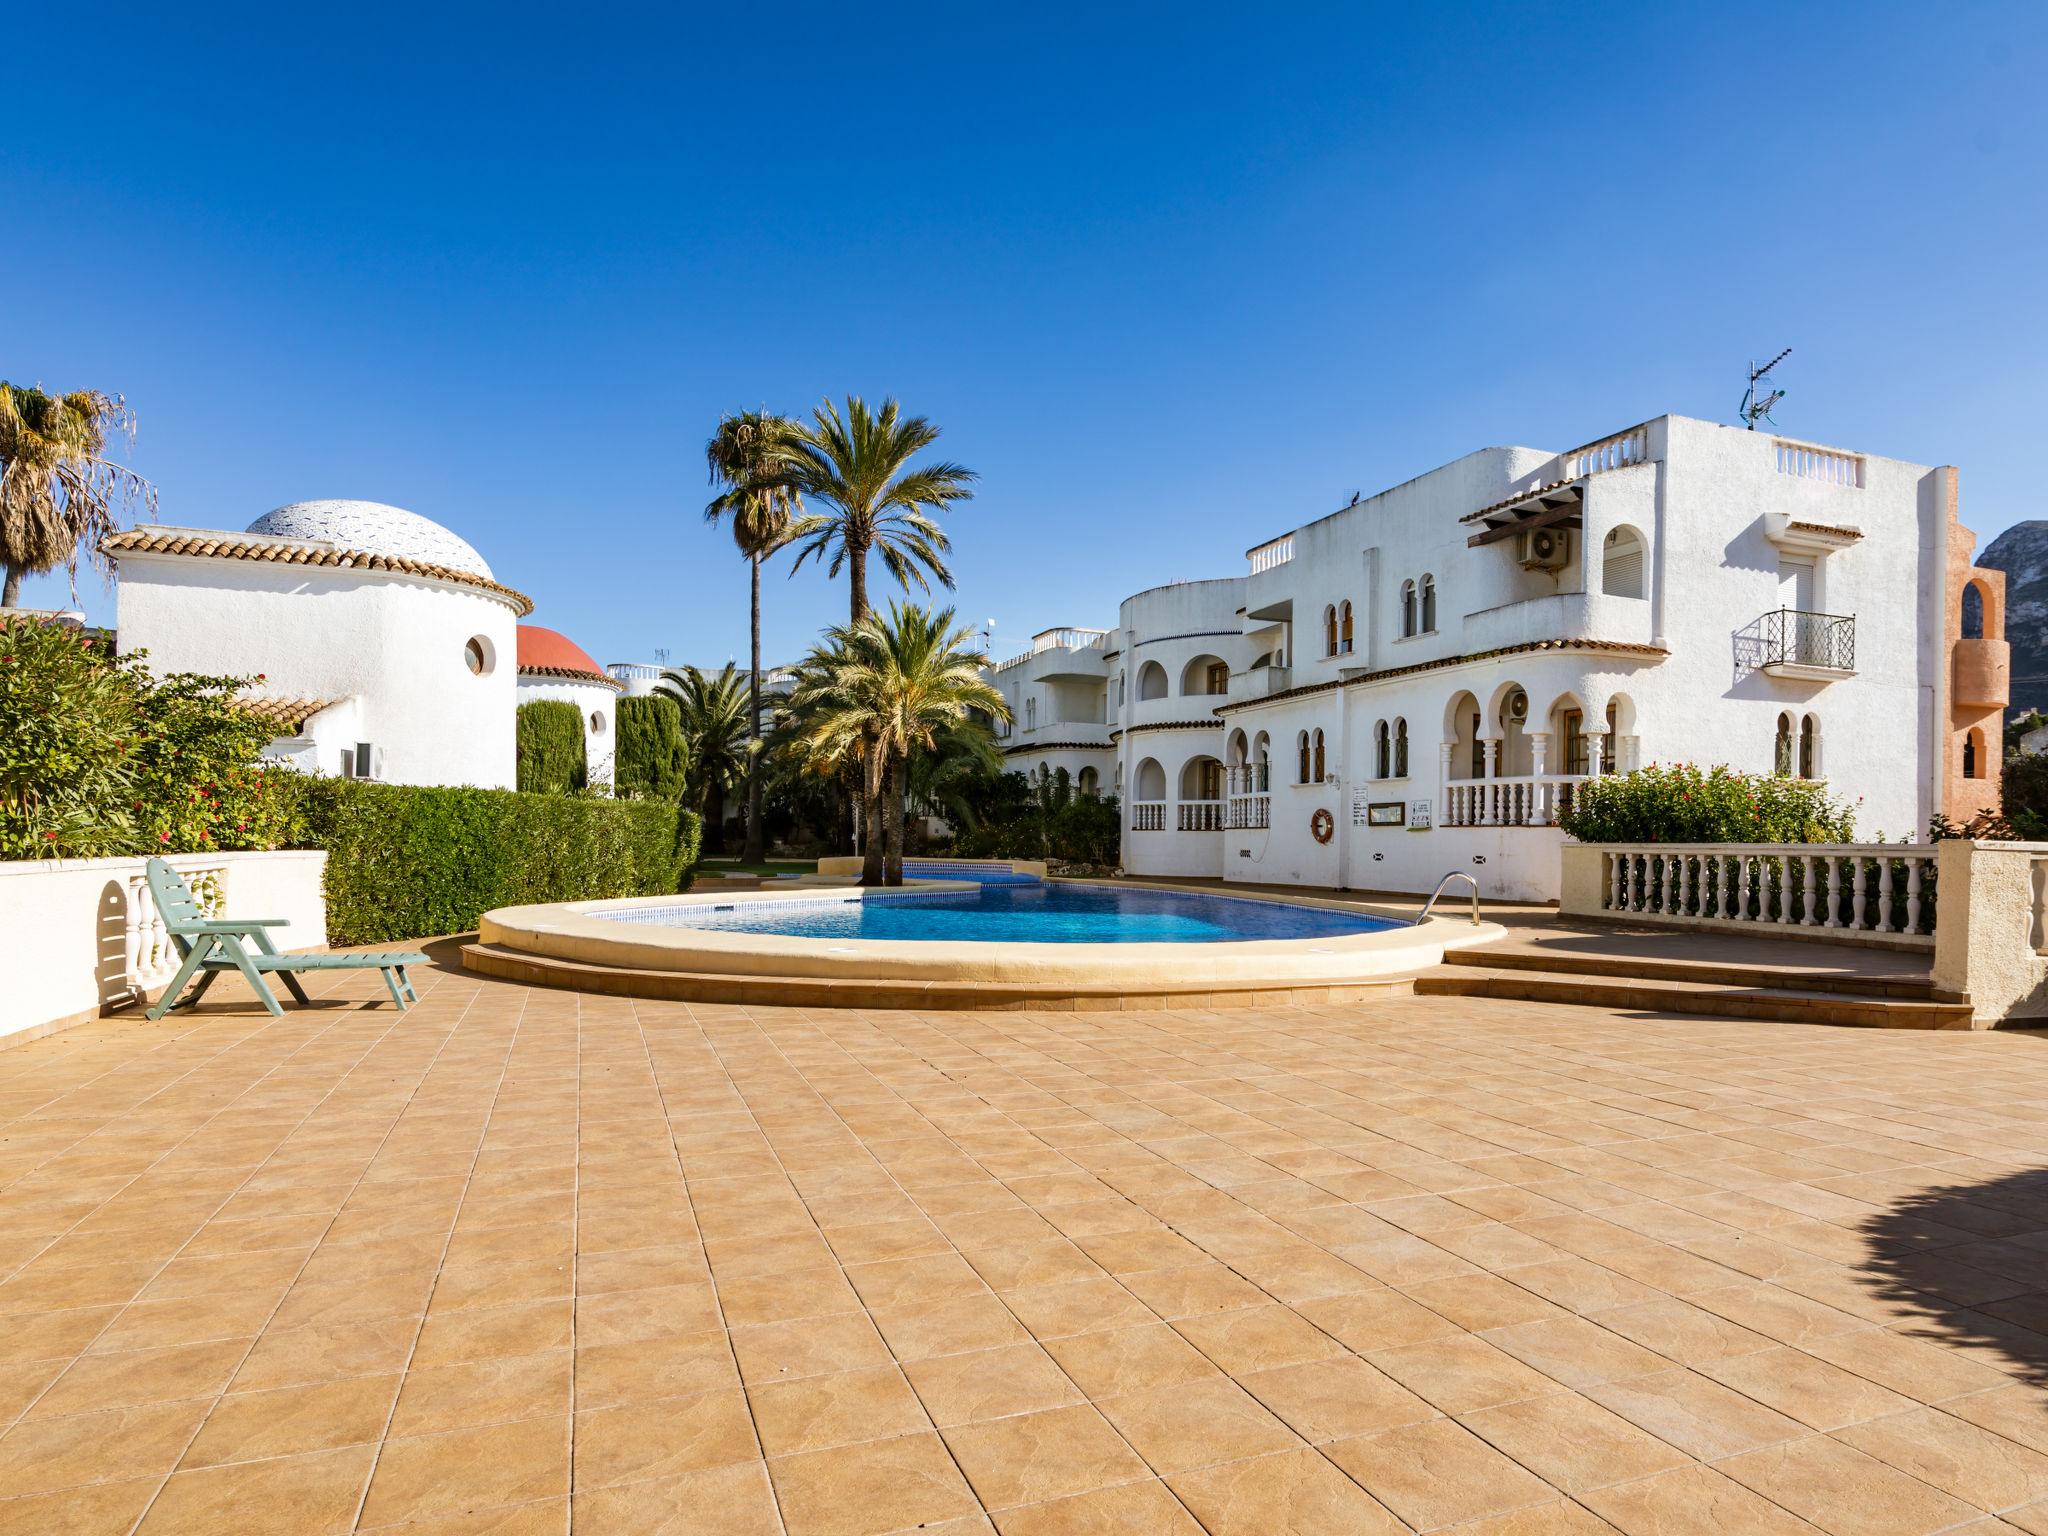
[1913, 871]
[1785, 878]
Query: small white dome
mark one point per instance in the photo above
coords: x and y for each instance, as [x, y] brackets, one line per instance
[376, 528]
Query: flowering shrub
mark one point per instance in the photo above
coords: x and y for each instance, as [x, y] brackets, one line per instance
[1681, 803]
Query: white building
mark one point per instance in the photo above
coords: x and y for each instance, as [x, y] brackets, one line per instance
[1058, 697]
[552, 666]
[385, 647]
[1415, 684]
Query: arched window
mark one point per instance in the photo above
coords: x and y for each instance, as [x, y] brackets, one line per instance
[1301, 746]
[1973, 612]
[1621, 564]
[1809, 748]
[1088, 781]
[1400, 749]
[1319, 758]
[1382, 751]
[1429, 605]
[1031, 714]
[1152, 681]
[1344, 629]
[1407, 608]
[597, 722]
[1329, 631]
[1781, 759]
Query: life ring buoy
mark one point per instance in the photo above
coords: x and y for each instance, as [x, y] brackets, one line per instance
[1322, 826]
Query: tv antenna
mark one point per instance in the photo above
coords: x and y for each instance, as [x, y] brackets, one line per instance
[1755, 405]
[660, 657]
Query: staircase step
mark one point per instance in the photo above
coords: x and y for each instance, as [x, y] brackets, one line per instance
[1706, 972]
[1669, 995]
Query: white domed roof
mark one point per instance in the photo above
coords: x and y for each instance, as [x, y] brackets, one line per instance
[376, 528]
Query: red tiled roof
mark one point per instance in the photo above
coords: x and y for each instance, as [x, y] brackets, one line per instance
[546, 653]
[229, 546]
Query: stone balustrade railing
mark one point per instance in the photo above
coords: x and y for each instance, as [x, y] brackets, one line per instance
[1533, 800]
[1875, 888]
[1148, 815]
[1201, 815]
[152, 958]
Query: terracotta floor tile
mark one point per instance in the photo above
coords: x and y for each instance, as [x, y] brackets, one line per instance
[811, 1347]
[1842, 1490]
[288, 1421]
[1700, 1417]
[990, 1384]
[1380, 1319]
[948, 1328]
[1959, 1458]
[1691, 1501]
[44, 1455]
[1478, 1302]
[1437, 1473]
[2018, 1413]
[1818, 1395]
[1681, 1332]
[1462, 1374]
[816, 1412]
[1031, 1458]
[1919, 1370]
[1196, 1424]
[662, 1311]
[662, 1438]
[135, 1378]
[786, 1297]
[1336, 1399]
[432, 1475]
[612, 1375]
[488, 1391]
[1297, 1492]
[1120, 1510]
[313, 1494]
[1572, 1443]
[908, 1282]
[1130, 1360]
[1576, 1351]
[87, 1511]
[733, 1500]
[312, 1306]
[483, 1333]
[189, 1320]
[777, 1253]
[502, 1285]
[875, 1487]
[1076, 1306]
[1778, 1313]
[1195, 1291]
[1051, 1262]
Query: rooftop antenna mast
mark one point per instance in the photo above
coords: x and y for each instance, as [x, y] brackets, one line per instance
[1754, 405]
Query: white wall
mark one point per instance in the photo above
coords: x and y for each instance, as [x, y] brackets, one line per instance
[393, 642]
[599, 707]
[66, 923]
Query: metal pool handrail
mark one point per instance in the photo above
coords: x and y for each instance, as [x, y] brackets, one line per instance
[1456, 874]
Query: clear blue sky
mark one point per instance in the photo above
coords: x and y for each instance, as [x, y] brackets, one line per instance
[1172, 279]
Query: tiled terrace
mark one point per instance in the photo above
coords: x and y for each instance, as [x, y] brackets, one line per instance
[520, 1260]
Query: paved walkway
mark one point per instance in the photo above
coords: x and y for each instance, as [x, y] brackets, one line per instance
[522, 1259]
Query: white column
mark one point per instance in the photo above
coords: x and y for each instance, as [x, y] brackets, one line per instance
[1594, 749]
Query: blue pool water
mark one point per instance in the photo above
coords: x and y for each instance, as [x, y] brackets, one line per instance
[1020, 914]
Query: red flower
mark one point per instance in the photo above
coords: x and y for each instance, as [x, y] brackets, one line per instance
[163, 837]
[49, 837]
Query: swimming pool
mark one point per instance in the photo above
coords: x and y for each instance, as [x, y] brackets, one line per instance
[1018, 914]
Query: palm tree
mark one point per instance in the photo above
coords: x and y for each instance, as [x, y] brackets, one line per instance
[56, 490]
[858, 465]
[749, 456]
[881, 689]
[715, 727]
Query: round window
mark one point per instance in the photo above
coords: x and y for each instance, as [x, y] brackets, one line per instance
[476, 655]
[597, 722]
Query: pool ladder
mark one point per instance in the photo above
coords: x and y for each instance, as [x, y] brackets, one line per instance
[1456, 874]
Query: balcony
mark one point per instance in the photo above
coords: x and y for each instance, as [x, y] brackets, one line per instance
[1148, 815]
[1250, 813]
[1812, 647]
[1202, 815]
[1526, 801]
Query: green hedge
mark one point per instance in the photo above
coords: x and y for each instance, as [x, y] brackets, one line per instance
[652, 757]
[551, 756]
[1678, 803]
[407, 862]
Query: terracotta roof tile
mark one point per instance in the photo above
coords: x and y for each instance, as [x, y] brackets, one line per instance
[229, 546]
[291, 714]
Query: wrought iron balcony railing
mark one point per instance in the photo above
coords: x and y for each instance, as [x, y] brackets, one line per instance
[1826, 640]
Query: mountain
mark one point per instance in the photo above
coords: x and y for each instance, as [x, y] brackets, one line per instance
[2022, 553]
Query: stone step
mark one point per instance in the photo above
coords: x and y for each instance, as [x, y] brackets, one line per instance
[1707, 972]
[1667, 995]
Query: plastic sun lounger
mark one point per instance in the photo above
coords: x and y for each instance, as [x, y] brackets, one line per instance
[213, 945]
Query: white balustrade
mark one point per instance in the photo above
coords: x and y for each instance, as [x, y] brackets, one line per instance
[1201, 815]
[1822, 464]
[1617, 452]
[1532, 800]
[151, 956]
[1883, 888]
[1274, 552]
[1148, 815]
[1250, 812]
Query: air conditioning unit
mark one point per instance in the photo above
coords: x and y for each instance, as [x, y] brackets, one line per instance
[362, 761]
[1518, 706]
[1546, 549]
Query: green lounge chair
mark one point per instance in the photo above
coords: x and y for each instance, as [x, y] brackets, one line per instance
[215, 944]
